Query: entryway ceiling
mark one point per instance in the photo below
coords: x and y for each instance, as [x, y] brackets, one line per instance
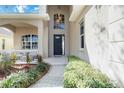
[21, 25]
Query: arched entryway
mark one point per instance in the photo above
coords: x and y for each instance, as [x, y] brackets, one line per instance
[25, 36]
[38, 27]
[23, 40]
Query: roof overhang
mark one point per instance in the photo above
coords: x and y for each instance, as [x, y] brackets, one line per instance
[25, 16]
[76, 11]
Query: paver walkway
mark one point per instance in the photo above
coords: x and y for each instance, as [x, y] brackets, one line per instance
[54, 77]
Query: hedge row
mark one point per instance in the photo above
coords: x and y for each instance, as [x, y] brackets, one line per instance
[79, 74]
[24, 79]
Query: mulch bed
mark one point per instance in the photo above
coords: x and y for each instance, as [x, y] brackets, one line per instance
[15, 68]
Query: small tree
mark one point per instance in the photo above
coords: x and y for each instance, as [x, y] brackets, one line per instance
[13, 58]
[28, 58]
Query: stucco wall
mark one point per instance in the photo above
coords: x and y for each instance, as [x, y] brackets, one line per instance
[54, 10]
[74, 32]
[105, 40]
[96, 37]
[20, 31]
[116, 39]
[45, 39]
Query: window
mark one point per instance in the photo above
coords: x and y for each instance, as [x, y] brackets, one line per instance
[3, 44]
[30, 42]
[59, 21]
[82, 35]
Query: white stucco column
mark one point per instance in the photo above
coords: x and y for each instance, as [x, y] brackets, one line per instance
[40, 37]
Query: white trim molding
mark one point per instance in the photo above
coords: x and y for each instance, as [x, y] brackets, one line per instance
[76, 10]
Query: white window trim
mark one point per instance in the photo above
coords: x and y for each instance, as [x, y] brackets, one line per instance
[31, 41]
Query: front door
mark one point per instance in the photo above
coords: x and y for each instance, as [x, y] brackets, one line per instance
[58, 44]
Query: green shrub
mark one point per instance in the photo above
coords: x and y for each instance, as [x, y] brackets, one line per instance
[32, 75]
[39, 59]
[71, 79]
[5, 62]
[73, 59]
[42, 67]
[15, 80]
[23, 79]
[80, 74]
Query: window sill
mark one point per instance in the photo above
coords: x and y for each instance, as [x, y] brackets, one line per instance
[58, 29]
